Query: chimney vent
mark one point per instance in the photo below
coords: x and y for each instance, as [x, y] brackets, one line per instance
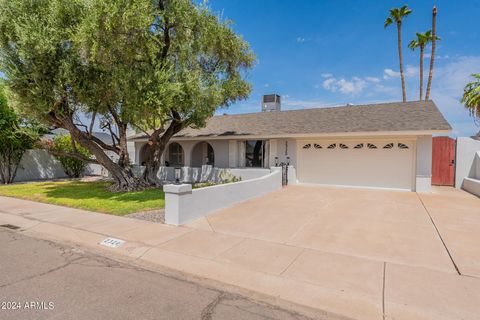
[271, 102]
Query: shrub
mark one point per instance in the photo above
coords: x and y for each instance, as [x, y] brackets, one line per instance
[17, 135]
[73, 167]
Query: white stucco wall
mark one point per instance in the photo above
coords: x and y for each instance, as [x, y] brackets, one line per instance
[477, 166]
[286, 148]
[466, 166]
[423, 172]
[182, 204]
[221, 150]
[249, 173]
[39, 165]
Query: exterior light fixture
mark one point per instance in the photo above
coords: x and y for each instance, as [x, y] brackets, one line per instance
[288, 161]
[178, 172]
[276, 161]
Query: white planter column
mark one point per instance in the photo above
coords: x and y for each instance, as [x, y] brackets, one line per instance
[175, 197]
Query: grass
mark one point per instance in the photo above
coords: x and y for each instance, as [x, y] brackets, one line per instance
[92, 196]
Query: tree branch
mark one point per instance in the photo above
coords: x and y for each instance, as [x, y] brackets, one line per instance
[92, 122]
[72, 155]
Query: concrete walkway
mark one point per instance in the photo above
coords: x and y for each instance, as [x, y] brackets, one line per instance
[364, 254]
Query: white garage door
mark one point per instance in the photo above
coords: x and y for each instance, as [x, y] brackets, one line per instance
[376, 164]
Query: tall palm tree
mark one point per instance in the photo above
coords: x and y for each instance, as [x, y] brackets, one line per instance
[471, 96]
[397, 15]
[432, 57]
[422, 40]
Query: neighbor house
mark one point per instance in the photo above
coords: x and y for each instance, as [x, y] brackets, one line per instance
[386, 145]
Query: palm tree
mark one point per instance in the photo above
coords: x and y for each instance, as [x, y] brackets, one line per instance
[471, 96]
[423, 39]
[432, 57]
[397, 15]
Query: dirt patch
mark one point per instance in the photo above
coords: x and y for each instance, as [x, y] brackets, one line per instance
[157, 216]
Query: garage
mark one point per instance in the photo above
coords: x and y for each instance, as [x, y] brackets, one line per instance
[374, 164]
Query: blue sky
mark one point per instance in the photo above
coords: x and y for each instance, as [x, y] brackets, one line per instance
[324, 53]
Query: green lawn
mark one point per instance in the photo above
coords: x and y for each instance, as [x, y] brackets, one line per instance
[92, 196]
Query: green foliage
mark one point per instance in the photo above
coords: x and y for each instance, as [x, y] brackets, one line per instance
[228, 177]
[397, 15]
[141, 63]
[73, 167]
[471, 96]
[223, 177]
[165, 55]
[17, 135]
[422, 40]
[142, 57]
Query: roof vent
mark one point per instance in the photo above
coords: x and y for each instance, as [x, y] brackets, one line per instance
[271, 102]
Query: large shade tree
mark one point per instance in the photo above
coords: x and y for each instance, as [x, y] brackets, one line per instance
[157, 66]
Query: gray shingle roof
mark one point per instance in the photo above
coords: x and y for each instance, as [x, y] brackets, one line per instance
[398, 116]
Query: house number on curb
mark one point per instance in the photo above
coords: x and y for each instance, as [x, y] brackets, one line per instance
[112, 242]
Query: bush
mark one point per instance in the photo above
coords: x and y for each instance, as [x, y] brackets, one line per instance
[73, 167]
[17, 135]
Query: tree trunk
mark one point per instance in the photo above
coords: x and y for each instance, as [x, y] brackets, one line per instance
[432, 57]
[9, 163]
[158, 143]
[400, 58]
[422, 48]
[121, 173]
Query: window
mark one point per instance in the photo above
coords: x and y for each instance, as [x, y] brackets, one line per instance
[343, 146]
[371, 146]
[388, 146]
[175, 152]
[402, 146]
[254, 153]
[210, 160]
[358, 146]
[307, 146]
[317, 146]
[332, 146]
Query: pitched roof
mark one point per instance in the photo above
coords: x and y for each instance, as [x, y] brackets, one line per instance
[397, 116]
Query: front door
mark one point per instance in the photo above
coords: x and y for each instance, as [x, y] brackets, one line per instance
[443, 161]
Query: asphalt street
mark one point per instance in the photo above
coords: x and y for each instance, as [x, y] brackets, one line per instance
[40, 279]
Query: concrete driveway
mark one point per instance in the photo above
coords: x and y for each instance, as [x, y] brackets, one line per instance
[418, 254]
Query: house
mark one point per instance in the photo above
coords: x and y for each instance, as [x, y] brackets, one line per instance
[385, 145]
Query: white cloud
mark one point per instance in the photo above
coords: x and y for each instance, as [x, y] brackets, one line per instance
[409, 71]
[302, 39]
[326, 75]
[329, 84]
[266, 85]
[372, 79]
[353, 86]
[389, 73]
[289, 103]
[448, 83]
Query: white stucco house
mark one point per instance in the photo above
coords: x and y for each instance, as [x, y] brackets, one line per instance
[387, 145]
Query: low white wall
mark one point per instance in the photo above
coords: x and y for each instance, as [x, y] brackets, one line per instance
[195, 175]
[182, 204]
[472, 185]
[477, 165]
[249, 173]
[39, 165]
[466, 167]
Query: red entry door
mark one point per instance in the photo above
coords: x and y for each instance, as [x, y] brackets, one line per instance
[443, 161]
